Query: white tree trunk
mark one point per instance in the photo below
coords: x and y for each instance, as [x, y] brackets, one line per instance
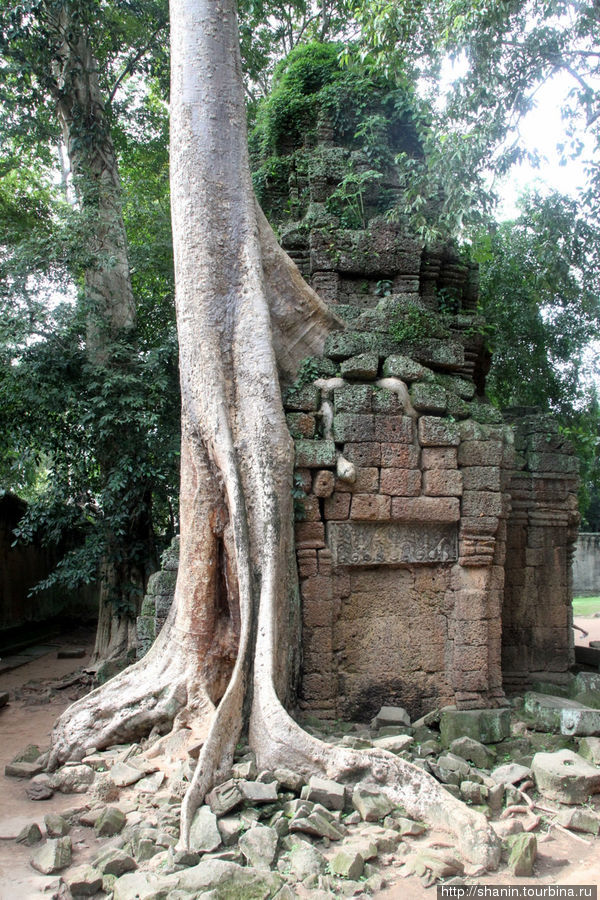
[245, 316]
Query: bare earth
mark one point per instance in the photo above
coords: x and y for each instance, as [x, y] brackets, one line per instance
[562, 858]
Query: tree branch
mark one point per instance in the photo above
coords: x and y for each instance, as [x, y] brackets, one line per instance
[133, 62]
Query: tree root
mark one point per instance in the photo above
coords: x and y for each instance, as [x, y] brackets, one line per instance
[152, 693]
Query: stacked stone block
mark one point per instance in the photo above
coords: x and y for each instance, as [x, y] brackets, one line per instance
[158, 599]
[542, 531]
[400, 566]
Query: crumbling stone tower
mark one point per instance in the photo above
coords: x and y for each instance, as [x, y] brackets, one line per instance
[433, 534]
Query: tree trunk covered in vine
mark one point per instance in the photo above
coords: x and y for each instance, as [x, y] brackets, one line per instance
[227, 657]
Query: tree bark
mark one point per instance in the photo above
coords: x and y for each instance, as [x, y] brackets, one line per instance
[245, 318]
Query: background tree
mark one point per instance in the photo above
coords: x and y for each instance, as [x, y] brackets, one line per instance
[66, 55]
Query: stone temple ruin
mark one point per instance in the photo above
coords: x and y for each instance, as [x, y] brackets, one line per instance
[434, 534]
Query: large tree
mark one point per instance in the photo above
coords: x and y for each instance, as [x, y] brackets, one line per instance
[245, 319]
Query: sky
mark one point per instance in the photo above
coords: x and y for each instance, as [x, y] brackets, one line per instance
[542, 130]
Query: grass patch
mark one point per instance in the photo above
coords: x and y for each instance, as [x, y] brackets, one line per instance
[586, 606]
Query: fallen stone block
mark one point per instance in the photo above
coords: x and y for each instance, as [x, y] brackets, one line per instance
[579, 820]
[259, 846]
[473, 751]
[371, 805]
[390, 715]
[22, 769]
[565, 776]
[347, 864]
[224, 797]
[83, 881]
[305, 860]
[204, 833]
[488, 726]
[325, 791]
[110, 822]
[560, 715]
[53, 856]
[523, 851]
[30, 835]
[510, 773]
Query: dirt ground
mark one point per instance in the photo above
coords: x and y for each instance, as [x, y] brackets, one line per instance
[562, 858]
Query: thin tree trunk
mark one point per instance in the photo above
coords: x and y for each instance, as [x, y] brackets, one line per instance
[245, 316]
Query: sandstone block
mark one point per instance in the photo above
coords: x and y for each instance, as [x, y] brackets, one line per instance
[489, 726]
[53, 856]
[315, 454]
[523, 851]
[399, 456]
[480, 453]
[323, 483]
[309, 535]
[435, 432]
[347, 864]
[439, 458]
[371, 804]
[328, 793]
[426, 509]
[353, 398]
[429, 398]
[337, 506]
[369, 507]
[259, 846]
[307, 563]
[83, 881]
[308, 510]
[367, 453]
[565, 776]
[301, 425]
[442, 483]
[365, 365]
[401, 482]
[204, 833]
[394, 429]
[355, 427]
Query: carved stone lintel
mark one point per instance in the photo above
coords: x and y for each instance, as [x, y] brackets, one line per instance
[375, 543]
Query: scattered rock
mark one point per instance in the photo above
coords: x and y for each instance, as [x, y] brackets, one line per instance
[473, 793]
[72, 779]
[22, 769]
[488, 726]
[394, 743]
[305, 860]
[473, 751]
[390, 715]
[53, 856]
[257, 792]
[226, 879]
[29, 754]
[579, 820]
[105, 790]
[204, 833]
[115, 861]
[123, 775]
[111, 821]
[259, 846]
[506, 827]
[565, 776]
[408, 827]
[245, 768]
[371, 805]
[317, 825]
[229, 829]
[347, 864]
[224, 797]
[511, 773]
[56, 826]
[150, 783]
[523, 851]
[83, 881]
[323, 790]
[289, 781]
[30, 835]
[589, 748]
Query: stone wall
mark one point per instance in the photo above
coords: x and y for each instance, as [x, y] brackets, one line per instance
[586, 566]
[542, 530]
